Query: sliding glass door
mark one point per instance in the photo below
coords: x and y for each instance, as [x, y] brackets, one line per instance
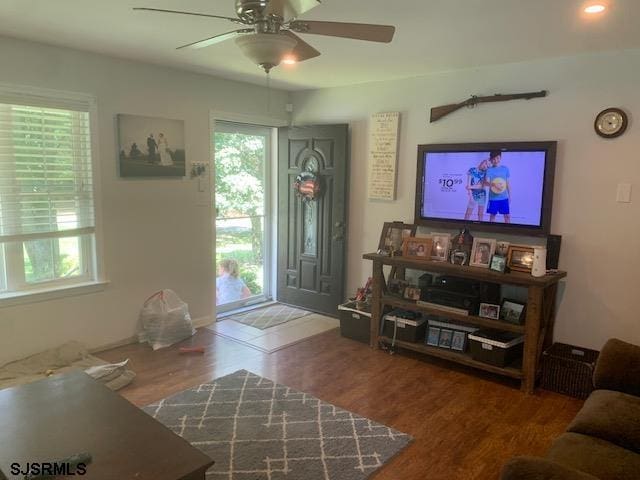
[242, 186]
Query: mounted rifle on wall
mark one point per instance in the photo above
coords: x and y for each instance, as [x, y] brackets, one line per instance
[438, 112]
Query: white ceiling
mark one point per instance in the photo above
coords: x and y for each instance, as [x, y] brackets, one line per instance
[431, 35]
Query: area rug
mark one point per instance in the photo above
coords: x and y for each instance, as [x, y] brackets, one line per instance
[255, 429]
[270, 316]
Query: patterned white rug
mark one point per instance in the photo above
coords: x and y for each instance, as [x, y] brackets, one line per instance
[270, 316]
[255, 429]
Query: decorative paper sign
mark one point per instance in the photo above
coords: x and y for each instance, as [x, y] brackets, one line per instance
[383, 155]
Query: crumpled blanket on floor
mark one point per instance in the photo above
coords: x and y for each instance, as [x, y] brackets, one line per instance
[65, 358]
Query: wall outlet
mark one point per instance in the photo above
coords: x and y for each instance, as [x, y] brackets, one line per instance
[623, 194]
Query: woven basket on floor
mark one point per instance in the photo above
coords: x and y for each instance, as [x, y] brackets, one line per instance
[568, 369]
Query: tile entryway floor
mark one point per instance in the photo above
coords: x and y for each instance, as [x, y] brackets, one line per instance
[275, 338]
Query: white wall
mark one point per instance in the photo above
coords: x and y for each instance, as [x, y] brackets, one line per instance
[157, 233]
[601, 238]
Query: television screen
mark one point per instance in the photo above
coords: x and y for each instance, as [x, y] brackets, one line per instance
[482, 185]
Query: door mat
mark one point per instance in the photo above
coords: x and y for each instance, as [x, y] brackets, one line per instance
[270, 316]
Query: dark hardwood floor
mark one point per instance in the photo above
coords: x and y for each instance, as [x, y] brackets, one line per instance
[465, 424]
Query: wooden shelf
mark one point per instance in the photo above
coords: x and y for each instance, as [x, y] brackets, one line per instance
[475, 273]
[458, 357]
[469, 319]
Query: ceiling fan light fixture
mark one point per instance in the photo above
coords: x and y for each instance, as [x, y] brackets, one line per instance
[289, 60]
[266, 49]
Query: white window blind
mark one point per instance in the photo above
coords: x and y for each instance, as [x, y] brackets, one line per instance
[46, 182]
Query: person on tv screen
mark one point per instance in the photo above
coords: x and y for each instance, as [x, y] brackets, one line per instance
[497, 179]
[476, 189]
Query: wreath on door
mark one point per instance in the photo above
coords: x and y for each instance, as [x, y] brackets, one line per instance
[307, 186]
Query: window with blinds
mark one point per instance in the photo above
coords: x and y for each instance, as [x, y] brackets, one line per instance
[47, 220]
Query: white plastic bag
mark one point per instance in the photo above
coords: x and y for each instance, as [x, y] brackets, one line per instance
[165, 320]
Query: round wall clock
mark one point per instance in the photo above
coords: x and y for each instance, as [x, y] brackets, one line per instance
[611, 123]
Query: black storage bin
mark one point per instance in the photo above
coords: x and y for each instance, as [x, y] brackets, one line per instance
[354, 323]
[568, 369]
[496, 347]
[408, 330]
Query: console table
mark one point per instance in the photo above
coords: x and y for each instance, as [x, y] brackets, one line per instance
[537, 328]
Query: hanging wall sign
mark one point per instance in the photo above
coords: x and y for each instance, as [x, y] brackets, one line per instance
[383, 155]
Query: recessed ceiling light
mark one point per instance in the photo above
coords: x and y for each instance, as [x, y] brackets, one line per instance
[595, 8]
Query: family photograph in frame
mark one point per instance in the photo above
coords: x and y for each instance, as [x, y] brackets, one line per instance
[417, 247]
[512, 311]
[440, 246]
[150, 147]
[393, 236]
[482, 252]
[489, 310]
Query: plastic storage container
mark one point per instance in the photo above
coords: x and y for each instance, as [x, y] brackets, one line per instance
[402, 326]
[354, 323]
[496, 347]
[568, 369]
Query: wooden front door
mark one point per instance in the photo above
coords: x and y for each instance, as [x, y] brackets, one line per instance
[312, 234]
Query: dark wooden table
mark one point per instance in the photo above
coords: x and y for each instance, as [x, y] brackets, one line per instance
[67, 414]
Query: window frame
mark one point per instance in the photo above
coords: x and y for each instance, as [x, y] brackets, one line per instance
[12, 269]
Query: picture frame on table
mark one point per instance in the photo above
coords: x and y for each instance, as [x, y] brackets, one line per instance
[440, 246]
[393, 236]
[489, 310]
[445, 338]
[520, 258]
[412, 293]
[512, 311]
[397, 286]
[433, 336]
[459, 341]
[418, 248]
[482, 252]
[498, 263]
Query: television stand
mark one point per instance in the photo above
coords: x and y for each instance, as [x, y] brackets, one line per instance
[537, 328]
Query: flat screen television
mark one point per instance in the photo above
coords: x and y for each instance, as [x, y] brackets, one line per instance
[505, 187]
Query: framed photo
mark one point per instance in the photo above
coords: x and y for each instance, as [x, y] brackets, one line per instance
[440, 246]
[512, 311]
[459, 341]
[150, 147]
[445, 338]
[482, 252]
[393, 236]
[412, 293]
[433, 336]
[520, 258]
[489, 310]
[417, 247]
[502, 248]
[498, 263]
[397, 286]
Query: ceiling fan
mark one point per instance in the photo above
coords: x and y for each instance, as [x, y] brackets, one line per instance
[268, 38]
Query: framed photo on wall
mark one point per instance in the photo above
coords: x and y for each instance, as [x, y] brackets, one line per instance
[150, 147]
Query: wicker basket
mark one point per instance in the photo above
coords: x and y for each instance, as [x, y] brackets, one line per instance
[568, 369]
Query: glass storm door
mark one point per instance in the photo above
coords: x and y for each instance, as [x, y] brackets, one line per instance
[242, 161]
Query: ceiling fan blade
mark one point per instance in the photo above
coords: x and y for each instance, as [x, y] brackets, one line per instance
[160, 10]
[302, 51]
[215, 39]
[289, 9]
[359, 31]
